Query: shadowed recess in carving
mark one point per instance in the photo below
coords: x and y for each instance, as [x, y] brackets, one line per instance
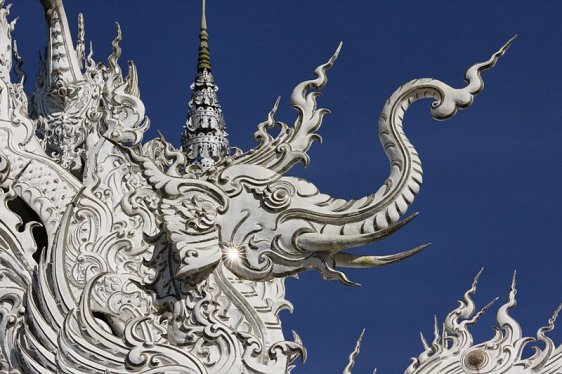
[29, 218]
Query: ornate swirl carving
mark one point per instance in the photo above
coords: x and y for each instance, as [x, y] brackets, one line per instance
[86, 266]
[4, 168]
[278, 195]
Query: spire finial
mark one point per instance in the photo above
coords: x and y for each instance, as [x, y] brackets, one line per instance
[204, 16]
[204, 61]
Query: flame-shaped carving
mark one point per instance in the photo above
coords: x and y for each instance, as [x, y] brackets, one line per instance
[453, 350]
[157, 259]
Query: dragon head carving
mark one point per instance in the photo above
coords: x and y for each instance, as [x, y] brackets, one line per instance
[261, 224]
[158, 259]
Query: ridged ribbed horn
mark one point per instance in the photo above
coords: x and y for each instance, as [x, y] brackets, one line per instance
[333, 243]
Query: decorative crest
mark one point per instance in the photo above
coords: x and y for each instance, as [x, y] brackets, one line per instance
[63, 95]
[453, 350]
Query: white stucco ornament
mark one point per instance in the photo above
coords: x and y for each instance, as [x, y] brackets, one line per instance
[454, 351]
[124, 256]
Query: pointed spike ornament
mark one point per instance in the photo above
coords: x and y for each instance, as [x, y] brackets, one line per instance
[6, 43]
[354, 354]
[62, 58]
[18, 68]
[504, 353]
[80, 41]
[204, 139]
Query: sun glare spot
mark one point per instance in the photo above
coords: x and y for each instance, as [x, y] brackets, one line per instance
[232, 253]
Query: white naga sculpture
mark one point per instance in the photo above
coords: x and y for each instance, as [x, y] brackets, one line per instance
[118, 256]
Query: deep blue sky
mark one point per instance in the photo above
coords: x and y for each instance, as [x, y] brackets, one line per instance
[493, 173]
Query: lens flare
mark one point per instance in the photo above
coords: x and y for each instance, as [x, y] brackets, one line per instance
[232, 252]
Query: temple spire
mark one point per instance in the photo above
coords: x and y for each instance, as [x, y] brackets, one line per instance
[204, 138]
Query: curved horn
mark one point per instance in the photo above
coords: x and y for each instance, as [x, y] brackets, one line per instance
[342, 224]
[62, 58]
[132, 80]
